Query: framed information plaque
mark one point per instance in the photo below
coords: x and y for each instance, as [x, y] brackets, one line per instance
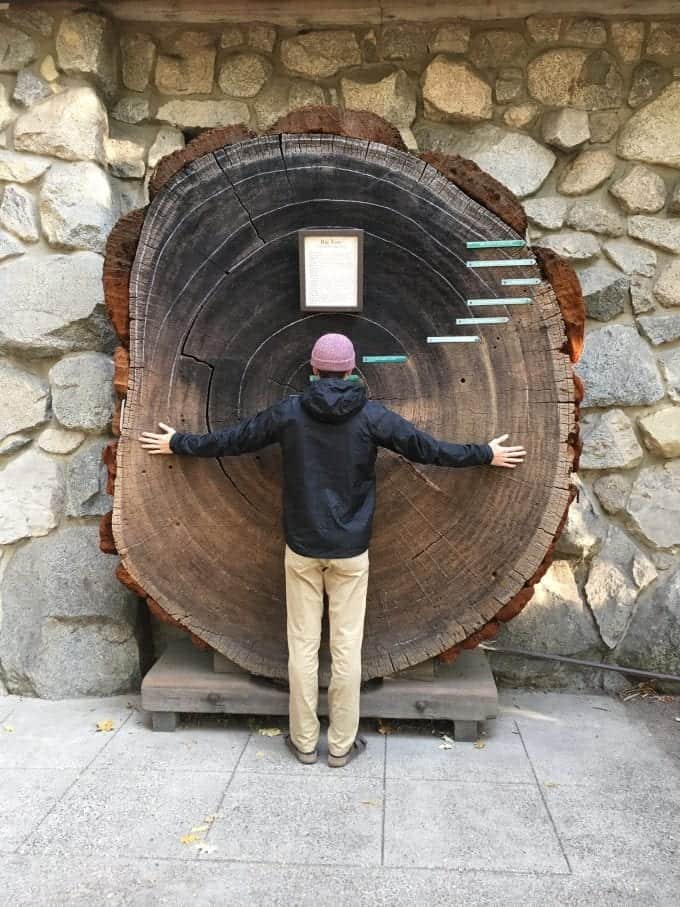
[331, 270]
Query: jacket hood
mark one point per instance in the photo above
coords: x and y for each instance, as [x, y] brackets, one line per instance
[333, 399]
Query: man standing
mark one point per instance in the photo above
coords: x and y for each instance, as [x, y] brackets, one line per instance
[329, 435]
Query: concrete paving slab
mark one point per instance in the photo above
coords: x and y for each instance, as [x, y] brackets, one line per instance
[421, 754]
[602, 754]
[459, 825]
[26, 797]
[150, 883]
[567, 708]
[61, 734]
[290, 819]
[633, 833]
[270, 755]
[209, 745]
[129, 813]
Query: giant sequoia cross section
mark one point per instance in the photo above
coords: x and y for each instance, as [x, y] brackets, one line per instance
[210, 274]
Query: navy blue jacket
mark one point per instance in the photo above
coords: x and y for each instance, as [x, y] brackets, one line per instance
[330, 436]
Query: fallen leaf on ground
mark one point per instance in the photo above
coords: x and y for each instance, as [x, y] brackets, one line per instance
[447, 743]
[384, 728]
[199, 829]
[189, 839]
[106, 725]
[372, 802]
[209, 819]
[9, 728]
[268, 731]
[259, 754]
[550, 784]
[479, 744]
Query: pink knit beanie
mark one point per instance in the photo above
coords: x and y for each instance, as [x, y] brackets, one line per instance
[333, 353]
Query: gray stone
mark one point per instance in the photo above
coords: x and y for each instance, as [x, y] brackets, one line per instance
[544, 29]
[521, 115]
[7, 114]
[31, 496]
[618, 573]
[77, 206]
[451, 38]
[657, 232]
[57, 440]
[36, 20]
[641, 298]
[648, 80]
[11, 444]
[674, 203]
[260, 36]
[26, 399]
[604, 125]
[304, 94]
[584, 530]
[575, 246]
[16, 49]
[654, 504]
[453, 91]
[30, 88]
[243, 75]
[653, 638]
[82, 391]
[274, 101]
[548, 212]
[138, 53]
[70, 125]
[664, 39]
[612, 492]
[605, 291]
[627, 38]
[496, 47]
[53, 304]
[131, 194]
[566, 128]
[231, 37]
[660, 328]
[125, 158]
[392, 97]
[586, 172]
[631, 257]
[508, 86]
[653, 133]
[586, 32]
[204, 114]
[320, 54]
[640, 191]
[592, 215]
[404, 41]
[86, 482]
[167, 140]
[661, 431]
[513, 159]
[667, 287]
[17, 214]
[556, 619]
[86, 45]
[609, 442]
[191, 72]
[48, 69]
[573, 77]
[670, 366]
[131, 110]
[18, 167]
[618, 368]
[9, 246]
[68, 624]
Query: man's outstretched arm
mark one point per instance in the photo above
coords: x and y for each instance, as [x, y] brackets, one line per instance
[251, 434]
[398, 434]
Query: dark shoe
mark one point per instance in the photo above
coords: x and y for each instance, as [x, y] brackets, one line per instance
[305, 758]
[355, 750]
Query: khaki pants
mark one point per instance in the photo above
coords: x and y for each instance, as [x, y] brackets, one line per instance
[345, 580]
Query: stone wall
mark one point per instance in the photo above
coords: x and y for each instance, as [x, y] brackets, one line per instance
[579, 117]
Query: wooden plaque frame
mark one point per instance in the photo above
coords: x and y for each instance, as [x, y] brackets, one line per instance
[328, 233]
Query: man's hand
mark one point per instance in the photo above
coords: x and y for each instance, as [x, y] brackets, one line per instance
[155, 443]
[506, 456]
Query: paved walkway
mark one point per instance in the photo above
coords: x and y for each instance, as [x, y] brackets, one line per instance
[571, 799]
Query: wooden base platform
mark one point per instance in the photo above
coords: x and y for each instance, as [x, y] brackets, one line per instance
[183, 680]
